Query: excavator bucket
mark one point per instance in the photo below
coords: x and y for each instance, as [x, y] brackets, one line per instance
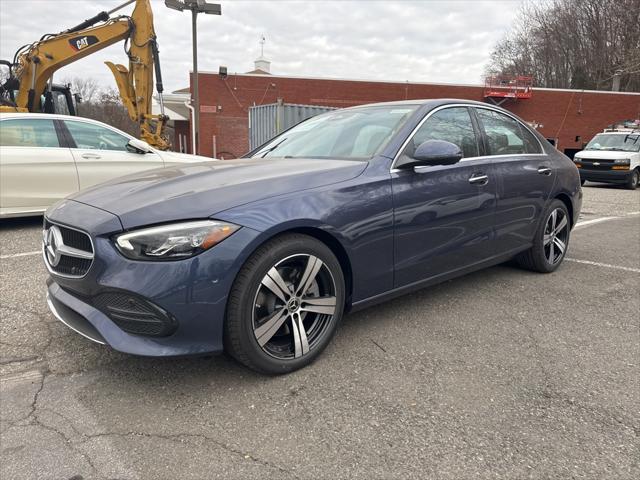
[128, 96]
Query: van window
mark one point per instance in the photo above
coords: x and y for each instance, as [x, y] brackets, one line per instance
[618, 142]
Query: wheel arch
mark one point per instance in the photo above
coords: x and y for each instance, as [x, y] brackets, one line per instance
[338, 250]
[564, 198]
[324, 236]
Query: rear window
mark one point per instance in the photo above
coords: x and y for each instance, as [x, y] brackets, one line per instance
[531, 143]
[28, 132]
[503, 133]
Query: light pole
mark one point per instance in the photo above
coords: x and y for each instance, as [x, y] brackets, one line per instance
[196, 6]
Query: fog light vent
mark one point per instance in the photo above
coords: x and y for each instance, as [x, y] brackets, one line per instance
[135, 315]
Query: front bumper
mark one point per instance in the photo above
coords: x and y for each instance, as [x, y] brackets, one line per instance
[608, 176]
[192, 291]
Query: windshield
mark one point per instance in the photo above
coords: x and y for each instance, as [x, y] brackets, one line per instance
[357, 133]
[623, 142]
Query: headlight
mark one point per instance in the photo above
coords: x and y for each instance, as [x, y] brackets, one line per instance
[622, 161]
[174, 241]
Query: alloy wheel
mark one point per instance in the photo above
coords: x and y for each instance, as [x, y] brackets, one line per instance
[555, 237]
[294, 306]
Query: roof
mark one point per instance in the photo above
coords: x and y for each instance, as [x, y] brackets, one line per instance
[258, 71]
[428, 101]
[407, 82]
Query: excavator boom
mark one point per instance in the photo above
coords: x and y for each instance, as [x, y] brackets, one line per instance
[34, 67]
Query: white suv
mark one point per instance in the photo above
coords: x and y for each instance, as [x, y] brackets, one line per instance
[612, 156]
[44, 158]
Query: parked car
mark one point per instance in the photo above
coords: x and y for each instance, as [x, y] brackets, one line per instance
[44, 158]
[262, 256]
[612, 157]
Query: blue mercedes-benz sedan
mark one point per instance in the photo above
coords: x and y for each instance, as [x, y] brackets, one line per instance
[262, 256]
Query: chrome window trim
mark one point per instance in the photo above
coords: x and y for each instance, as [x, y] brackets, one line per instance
[46, 260]
[466, 105]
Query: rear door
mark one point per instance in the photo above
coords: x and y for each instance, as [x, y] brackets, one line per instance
[525, 177]
[36, 169]
[443, 214]
[101, 153]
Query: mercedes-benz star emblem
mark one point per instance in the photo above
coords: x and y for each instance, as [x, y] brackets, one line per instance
[52, 243]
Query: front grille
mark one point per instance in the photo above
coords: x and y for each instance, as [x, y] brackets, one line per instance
[69, 252]
[76, 239]
[134, 314]
[72, 267]
[601, 164]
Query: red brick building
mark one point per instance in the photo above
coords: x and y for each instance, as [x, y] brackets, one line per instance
[569, 117]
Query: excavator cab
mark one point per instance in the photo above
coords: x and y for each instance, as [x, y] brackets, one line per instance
[59, 99]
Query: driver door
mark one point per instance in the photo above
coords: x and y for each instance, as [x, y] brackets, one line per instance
[443, 214]
[101, 153]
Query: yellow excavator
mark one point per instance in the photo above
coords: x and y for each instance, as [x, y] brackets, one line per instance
[33, 66]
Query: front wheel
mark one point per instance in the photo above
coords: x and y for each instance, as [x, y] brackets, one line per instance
[285, 305]
[550, 242]
[634, 178]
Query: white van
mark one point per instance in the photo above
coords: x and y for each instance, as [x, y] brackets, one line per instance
[612, 156]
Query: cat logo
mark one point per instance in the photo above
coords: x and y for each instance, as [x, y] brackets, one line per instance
[78, 43]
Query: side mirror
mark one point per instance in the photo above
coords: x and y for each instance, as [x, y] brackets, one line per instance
[138, 146]
[433, 152]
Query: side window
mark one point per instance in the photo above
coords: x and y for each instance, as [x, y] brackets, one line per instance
[96, 137]
[28, 132]
[531, 143]
[450, 124]
[503, 133]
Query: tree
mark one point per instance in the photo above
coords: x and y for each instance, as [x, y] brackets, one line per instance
[102, 104]
[581, 44]
[87, 88]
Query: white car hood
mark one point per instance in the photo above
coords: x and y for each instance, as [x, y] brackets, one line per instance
[604, 154]
[175, 157]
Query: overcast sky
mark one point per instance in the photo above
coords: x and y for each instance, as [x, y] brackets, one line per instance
[419, 41]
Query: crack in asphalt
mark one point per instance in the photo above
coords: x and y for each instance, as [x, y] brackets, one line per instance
[80, 438]
[177, 436]
[33, 419]
[12, 360]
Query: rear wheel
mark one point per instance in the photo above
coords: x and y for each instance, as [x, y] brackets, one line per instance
[550, 242]
[285, 305]
[634, 178]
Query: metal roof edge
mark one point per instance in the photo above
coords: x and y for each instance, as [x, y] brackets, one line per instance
[408, 82]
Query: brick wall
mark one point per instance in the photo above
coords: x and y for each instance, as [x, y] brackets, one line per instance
[562, 114]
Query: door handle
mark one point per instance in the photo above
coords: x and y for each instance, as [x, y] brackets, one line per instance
[544, 170]
[479, 179]
[92, 156]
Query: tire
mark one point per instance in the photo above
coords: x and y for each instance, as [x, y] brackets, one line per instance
[548, 250]
[284, 306]
[634, 179]
[582, 181]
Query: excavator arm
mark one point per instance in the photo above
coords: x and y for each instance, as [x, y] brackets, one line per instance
[34, 67]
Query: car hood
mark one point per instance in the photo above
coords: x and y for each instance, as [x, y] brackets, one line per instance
[603, 154]
[201, 190]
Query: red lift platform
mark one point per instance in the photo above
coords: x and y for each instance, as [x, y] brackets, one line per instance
[500, 88]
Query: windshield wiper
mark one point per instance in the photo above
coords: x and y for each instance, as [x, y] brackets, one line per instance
[272, 148]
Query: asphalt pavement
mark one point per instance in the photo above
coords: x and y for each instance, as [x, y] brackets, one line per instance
[503, 373]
